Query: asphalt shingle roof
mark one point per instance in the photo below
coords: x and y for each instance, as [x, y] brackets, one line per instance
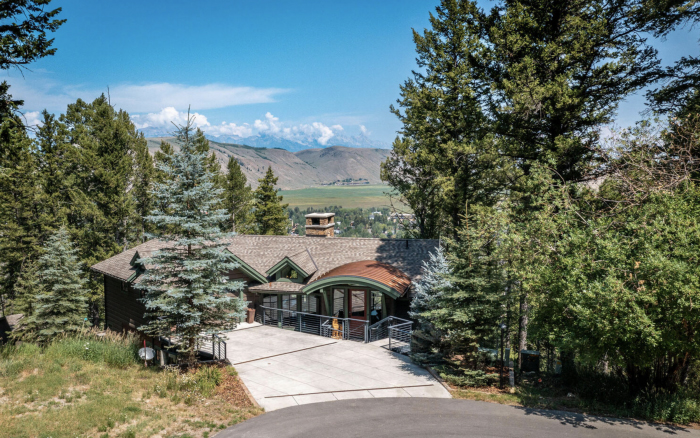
[324, 254]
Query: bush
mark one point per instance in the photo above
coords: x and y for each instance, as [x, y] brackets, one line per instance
[681, 407]
[469, 378]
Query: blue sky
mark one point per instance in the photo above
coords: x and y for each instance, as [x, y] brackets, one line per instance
[317, 67]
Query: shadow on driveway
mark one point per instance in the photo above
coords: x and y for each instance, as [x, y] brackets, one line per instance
[424, 417]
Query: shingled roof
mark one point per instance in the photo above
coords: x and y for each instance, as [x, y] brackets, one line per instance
[322, 254]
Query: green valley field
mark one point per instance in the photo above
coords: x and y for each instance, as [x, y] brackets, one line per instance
[345, 196]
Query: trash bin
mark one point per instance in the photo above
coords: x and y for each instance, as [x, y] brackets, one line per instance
[530, 360]
[250, 317]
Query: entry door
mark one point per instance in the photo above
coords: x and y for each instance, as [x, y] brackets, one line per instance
[357, 309]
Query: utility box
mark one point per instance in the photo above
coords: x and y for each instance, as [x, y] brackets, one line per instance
[530, 360]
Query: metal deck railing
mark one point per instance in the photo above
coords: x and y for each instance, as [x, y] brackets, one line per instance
[215, 345]
[397, 330]
[328, 326]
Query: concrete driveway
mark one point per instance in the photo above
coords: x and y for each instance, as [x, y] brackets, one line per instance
[284, 368]
[413, 417]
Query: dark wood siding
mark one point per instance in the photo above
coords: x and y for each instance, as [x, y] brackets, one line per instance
[123, 310]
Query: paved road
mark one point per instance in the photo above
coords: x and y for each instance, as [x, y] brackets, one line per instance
[416, 417]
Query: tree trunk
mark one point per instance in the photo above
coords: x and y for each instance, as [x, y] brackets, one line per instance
[522, 329]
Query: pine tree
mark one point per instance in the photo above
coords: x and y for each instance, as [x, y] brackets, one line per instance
[144, 174]
[24, 32]
[203, 147]
[27, 288]
[61, 303]
[185, 285]
[18, 195]
[238, 198]
[102, 218]
[269, 210]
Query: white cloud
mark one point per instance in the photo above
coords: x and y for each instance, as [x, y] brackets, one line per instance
[270, 125]
[41, 93]
[224, 128]
[166, 117]
[33, 118]
[364, 130]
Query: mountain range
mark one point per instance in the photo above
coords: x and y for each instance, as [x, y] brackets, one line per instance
[297, 170]
[271, 141]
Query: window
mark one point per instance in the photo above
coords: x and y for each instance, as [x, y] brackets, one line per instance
[292, 274]
[315, 221]
[270, 301]
[310, 303]
[289, 302]
[376, 312]
[339, 303]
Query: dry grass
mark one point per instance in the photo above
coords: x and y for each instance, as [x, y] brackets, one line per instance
[51, 393]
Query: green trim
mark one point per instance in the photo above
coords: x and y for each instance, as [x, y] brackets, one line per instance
[348, 280]
[250, 272]
[134, 276]
[286, 261]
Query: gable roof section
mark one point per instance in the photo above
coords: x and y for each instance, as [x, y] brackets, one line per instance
[260, 253]
[301, 262]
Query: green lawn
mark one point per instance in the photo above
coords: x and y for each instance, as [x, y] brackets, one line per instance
[345, 196]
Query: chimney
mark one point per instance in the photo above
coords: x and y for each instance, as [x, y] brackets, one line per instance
[320, 225]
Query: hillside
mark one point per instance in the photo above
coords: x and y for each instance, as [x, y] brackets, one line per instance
[306, 168]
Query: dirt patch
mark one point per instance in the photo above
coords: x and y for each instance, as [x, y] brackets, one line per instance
[231, 390]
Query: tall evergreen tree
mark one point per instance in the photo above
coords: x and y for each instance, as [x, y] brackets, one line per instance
[444, 157]
[144, 175]
[61, 303]
[238, 198]
[185, 285]
[530, 82]
[269, 211]
[202, 145]
[102, 218]
[18, 195]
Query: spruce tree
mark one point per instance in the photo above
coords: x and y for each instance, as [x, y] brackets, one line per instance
[238, 198]
[434, 282]
[60, 305]
[269, 210]
[185, 284]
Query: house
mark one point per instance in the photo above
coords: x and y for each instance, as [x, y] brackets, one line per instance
[362, 279]
[8, 324]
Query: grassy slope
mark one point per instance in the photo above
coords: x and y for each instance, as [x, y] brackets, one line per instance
[345, 196]
[59, 394]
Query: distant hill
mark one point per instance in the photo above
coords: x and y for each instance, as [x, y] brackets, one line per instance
[306, 168]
